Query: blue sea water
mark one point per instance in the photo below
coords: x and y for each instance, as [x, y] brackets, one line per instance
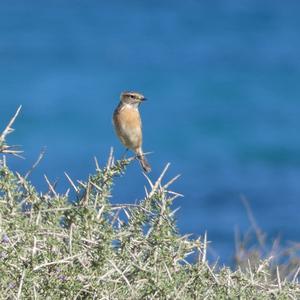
[223, 83]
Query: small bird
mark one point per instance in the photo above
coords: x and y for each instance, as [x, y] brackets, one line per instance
[128, 125]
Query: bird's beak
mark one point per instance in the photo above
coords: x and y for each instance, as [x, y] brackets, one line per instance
[143, 99]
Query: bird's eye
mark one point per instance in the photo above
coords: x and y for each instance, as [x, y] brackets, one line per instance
[132, 96]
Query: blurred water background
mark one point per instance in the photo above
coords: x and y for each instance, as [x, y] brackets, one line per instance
[223, 82]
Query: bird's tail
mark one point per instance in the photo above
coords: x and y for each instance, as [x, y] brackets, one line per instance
[143, 161]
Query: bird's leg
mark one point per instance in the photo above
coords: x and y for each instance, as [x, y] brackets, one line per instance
[124, 154]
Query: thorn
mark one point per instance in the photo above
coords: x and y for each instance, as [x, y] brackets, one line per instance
[72, 183]
[171, 181]
[8, 128]
[51, 188]
[97, 164]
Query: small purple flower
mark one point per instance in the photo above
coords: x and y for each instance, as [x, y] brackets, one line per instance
[5, 239]
[11, 285]
[62, 277]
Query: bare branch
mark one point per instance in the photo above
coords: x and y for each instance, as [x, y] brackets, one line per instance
[40, 157]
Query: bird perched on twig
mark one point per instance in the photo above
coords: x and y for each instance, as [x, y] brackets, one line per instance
[128, 125]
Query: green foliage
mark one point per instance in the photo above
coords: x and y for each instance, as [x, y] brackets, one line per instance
[56, 248]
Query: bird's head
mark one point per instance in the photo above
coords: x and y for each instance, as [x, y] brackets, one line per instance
[133, 98]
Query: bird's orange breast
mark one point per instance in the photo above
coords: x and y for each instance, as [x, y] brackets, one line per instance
[129, 117]
[127, 123]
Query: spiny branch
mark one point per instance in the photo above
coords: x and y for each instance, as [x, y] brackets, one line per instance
[6, 149]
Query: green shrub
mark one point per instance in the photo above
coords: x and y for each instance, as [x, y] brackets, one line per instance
[56, 248]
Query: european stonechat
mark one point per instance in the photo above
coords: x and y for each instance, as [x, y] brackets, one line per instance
[128, 125]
